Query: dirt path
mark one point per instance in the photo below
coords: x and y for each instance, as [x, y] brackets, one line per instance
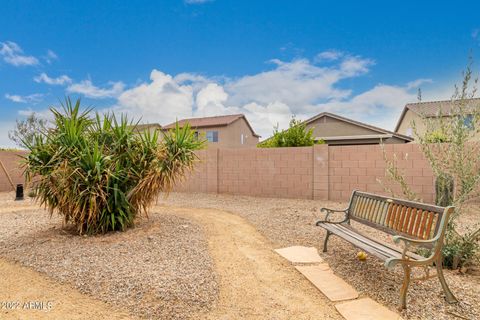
[255, 283]
[26, 294]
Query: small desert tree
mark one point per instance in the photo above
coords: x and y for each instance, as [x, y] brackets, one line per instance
[99, 173]
[297, 135]
[25, 130]
[448, 143]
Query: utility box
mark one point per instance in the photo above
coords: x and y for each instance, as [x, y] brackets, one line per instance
[19, 192]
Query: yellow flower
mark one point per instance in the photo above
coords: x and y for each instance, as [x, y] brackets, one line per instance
[362, 256]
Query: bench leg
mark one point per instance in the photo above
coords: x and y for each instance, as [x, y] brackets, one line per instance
[326, 241]
[404, 289]
[448, 294]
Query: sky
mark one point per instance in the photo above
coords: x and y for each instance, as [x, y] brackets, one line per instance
[159, 61]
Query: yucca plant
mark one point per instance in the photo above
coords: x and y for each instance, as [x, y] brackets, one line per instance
[99, 173]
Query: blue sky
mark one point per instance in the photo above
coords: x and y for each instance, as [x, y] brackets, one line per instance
[162, 60]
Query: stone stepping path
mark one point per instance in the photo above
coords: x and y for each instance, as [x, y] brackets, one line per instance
[365, 309]
[333, 287]
[299, 254]
[322, 277]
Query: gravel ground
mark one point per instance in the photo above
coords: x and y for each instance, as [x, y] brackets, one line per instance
[159, 269]
[21, 286]
[288, 222]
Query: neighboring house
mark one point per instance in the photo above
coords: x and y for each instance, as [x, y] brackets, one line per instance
[148, 126]
[230, 131]
[415, 112]
[337, 130]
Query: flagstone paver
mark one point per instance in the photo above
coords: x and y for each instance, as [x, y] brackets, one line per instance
[299, 254]
[335, 288]
[365, 309]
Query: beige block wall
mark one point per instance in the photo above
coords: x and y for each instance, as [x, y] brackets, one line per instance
[361, 168]
[278, 172]
[319, 172]
[11, 161]
[196, 180]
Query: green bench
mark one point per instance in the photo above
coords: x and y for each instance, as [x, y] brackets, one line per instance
[411, 223]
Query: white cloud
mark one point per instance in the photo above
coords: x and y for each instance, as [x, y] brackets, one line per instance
[264, 118]
[416, 84]
[61, 80]
[13, 54]
[88, 89]
[294, 83]
[45, 114]
[353, 66]
[161, 100]
[268, 98]
[380, 106]
[5, 141]
[50, 56]
[32, 98]
[329, 55]
[211, 100]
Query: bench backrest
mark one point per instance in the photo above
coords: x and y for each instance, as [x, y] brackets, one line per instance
[396, 216]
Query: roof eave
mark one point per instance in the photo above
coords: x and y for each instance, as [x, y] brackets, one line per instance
[400, 120]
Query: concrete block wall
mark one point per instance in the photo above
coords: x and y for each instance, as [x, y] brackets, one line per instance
[318, 172]
[362, 167]
[196, 180]
[278, 172]
[11, 161]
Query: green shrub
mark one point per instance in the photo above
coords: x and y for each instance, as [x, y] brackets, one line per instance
[296, 135]
[459, 250]
[448, 140]
[436, 136]
[98, 173]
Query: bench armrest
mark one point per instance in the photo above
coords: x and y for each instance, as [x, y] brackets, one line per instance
[392, 262]
[332, 211]
[411, 241]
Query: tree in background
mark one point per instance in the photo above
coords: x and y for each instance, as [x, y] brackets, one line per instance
[99, 173]
[25, 130]
[297, 135]
[449, 142]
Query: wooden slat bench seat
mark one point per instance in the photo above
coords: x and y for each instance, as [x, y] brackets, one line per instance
[411, 223]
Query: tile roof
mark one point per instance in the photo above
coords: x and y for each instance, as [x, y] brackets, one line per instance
[434, 108]
[207, 121]
[146, 126]
[216, 121]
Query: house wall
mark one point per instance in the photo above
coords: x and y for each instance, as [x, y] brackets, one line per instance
[319, 172]
[331, 127]
[406, 123]
[230, 136]
[419, 123]
[11, 161]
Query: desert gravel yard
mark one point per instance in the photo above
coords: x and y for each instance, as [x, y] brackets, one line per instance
[160, 269]
[287, 222]
[202, 256]
[181, 263]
